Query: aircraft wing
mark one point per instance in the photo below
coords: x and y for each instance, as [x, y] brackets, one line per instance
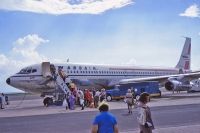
[162, 79]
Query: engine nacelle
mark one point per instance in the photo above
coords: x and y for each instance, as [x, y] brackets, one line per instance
[175, 85]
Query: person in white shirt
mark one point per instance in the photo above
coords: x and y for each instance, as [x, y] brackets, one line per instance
[81, 99]
[144, 114]
[96, 98]
[129, 100]
[102, 95]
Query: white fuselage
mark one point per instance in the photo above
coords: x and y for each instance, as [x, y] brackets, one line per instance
[30, 79]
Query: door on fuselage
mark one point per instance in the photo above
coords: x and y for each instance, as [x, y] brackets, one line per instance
[46, 72]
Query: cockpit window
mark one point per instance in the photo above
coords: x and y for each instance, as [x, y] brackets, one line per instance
[22, 71]
[34, 70]
[28, 70]
[25, 70]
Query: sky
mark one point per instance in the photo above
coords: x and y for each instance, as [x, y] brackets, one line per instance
[117, 32]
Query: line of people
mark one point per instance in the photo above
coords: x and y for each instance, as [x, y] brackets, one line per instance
[85, 98]
[92, 98]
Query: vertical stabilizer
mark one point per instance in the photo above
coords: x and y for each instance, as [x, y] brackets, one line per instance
[185, 59]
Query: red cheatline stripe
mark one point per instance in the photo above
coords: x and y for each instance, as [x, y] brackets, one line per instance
[186, 65]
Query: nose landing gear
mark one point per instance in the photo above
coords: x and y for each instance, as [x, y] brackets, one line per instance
[48, 101]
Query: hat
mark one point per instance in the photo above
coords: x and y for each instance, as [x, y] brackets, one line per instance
[103, 106]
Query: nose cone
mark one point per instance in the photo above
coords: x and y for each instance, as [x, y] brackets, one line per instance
[8, 81]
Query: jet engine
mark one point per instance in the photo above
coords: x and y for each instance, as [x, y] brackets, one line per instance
[176, 85]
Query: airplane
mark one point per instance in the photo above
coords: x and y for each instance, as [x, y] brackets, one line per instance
[195, 86]
[49, 79]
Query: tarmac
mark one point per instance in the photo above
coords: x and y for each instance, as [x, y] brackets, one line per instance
[179, 129]
[34, 106]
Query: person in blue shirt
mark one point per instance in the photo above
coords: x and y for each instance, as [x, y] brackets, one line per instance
[104, 122]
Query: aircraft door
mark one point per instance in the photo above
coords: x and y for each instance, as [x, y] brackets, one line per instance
[46, 69]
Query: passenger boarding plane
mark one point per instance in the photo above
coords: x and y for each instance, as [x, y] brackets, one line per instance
[48, 78]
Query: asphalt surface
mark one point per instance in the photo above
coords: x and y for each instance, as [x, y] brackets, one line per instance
[22, 96]
[80, 122]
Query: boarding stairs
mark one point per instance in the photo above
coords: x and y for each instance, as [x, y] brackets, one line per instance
[62, 90]
[61, 84]
[50, 73]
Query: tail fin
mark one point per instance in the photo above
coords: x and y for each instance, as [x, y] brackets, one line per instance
[185, 59]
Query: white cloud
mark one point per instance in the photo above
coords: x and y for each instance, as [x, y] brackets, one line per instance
[26, 48]
[58, 7]
[192, 11]
[24, 53]
[3, 60]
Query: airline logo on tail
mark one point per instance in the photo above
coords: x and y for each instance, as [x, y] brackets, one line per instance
[185, 59]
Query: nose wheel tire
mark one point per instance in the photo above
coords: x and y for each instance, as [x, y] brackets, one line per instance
[47, 101]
